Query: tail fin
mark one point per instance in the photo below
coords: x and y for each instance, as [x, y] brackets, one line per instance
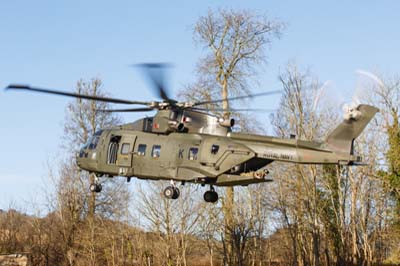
[356, 119]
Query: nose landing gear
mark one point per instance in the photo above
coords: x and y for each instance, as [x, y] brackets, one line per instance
[96, 186]
[211, 195]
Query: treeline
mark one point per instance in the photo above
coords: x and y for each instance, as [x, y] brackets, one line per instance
[51, 240]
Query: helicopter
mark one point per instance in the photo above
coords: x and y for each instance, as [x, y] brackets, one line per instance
[184, 142]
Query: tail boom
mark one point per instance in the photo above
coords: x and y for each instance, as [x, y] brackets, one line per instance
[336, 149]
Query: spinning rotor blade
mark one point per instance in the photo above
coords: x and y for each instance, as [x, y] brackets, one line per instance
[239, 97]
[156, 74]
[75, 95]
[144, 109]
[235, 110]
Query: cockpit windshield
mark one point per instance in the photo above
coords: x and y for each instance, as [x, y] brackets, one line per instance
[94, 140]
[86, 145]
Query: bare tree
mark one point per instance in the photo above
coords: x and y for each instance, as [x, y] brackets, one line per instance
[81, 121]
[210, 228]
[296, 115]
[174, 222]
[340, 209]
[81, 118]
[76, 205]
[235, 43]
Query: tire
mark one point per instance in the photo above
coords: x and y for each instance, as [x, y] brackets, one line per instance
[176, 193]
[99, 188]
[214, 198]
[211, 196]
[207, 196]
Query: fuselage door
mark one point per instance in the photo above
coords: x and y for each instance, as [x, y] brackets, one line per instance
[127, 145]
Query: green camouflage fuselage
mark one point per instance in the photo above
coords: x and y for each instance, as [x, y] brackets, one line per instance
[233, 159]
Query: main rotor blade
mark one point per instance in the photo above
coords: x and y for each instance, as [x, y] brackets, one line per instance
[239, 97]
[125, 110]
[235, 110]
[156, 74]
[72, 94]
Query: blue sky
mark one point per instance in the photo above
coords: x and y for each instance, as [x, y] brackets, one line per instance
[55, 43]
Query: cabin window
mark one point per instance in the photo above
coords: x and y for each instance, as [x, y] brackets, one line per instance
[155, 152]
[214, 149]
[193, 153]
[125, 148]
[142, 150]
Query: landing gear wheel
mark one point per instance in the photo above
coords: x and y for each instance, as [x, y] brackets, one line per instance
[95, 188]
[211, 196]
[99, 188]
[176, 193]
[171, 192]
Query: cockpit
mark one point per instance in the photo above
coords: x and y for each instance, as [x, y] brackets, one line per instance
[91, 144]
[87, 154]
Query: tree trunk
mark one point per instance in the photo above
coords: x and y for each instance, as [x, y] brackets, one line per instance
[229, 201]
[229, 225]
[353, 221]
[92, 199]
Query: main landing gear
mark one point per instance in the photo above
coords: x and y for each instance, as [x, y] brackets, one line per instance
[171, 192]
[211, 195]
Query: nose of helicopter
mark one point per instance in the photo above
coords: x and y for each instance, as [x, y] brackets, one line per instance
[81, 157]
[86, 158]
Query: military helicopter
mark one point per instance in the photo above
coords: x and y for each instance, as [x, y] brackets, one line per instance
[183, 142]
